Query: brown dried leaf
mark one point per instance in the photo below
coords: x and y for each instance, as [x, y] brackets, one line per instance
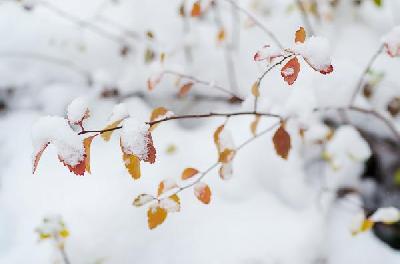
[281, 140]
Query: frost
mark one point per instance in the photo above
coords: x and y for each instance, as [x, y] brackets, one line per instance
[135, 138]
[316, 51]
[77, 110]
[386, 215]
[392, 42]
[268, 53]
[119, 112]
[56, 130]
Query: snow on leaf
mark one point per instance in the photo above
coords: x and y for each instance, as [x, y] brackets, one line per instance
[281, 140]
[388, 215]
[202, 192]
[184, 90]
[78, 169]
[254, 125]
[268, 53]
[37, 157]
[226, 171]
[153, 81]
[78, 110]
[316, 52]
[87, 142]
[360, 224]
[290, 71]
[226, 155]
[107, 135]
[166, 185]
[159, 113]
[300, 35]
[391, 42]
[224, 143]
[189, 173]
[156, 216]
[171, 204]
[143, 199]
[196, 9]
[132, 164]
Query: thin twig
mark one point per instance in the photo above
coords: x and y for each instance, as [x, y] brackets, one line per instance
[364, 72]
[257, 23]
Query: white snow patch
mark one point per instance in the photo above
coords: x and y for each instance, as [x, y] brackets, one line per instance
[77, 110]
[134, 137]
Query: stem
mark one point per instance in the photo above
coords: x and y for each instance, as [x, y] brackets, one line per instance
[364, 72]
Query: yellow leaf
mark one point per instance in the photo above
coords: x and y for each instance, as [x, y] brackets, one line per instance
[171, 149]
[216, 135]
[132, 164]
[254, 125]
[156, 216]
[157, 114]
[255, 89]
[87, 142]
[226, 155]
[43, 236]
[300, 35]
[188, 173]
[202, 192]
[107, 135]
[64, 233]
[221, 35]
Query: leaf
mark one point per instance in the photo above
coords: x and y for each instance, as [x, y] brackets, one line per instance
[153, 81]
[156, 216]
[87, 142]
[189, 173]
[226, 171]
[132, 164]
[107, 135]
[171, 204]
[216, 135]
[254, 125]
[226, 155]
[166, 185]
[37, 157]
[300, 35]
[196, 9]
[151, 150]
[184, 90]
[64, 233]
[327, 70]
[221, 35]
[143, 199]
[281, 140]
[202, 192]
[290, 71]
[378, 3]
[157, 114]
[78, 169]
[255, 89]
[149, 55]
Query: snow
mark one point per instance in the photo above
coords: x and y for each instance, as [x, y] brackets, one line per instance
[77, 110]
[386, 215]
[268, 53]
[226, 140]
[316, 51]
[134, 137]
[169, 205]
[119, 112]
[392, 42]
[56, 130]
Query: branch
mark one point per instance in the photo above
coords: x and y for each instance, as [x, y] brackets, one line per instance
[305, 17]
[256, 22]
[364, 72]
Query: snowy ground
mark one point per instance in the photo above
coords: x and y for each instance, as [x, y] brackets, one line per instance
[271, 211]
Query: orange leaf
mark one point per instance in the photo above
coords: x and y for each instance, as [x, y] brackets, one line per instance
[38, 155]
[216, 135]
[202, 192]
[78, 169]
[166, 185]
[184, 90]
[107, 135]
[132, 164]
[226, 155]
[196, 9]
[188, 173]
[157, 114]
[221, 35]
[171, 204]
[255, 89]
[87, 142]
[254, 125]
[156, 216]
[290, 71]
[300, 35]
[281, 140]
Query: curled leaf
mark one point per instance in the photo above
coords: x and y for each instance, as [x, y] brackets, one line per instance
[281, 140]
[156, 216]
[37, 157]
[189, 173]
[290, 71]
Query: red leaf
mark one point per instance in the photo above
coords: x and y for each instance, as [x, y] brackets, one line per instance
[282, 143]
[327, 70]
[78, 169]
[38, 155]
[151, 150]
[290, 71]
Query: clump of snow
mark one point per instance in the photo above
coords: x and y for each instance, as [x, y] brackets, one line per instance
[392, 42]
[226, 140]
[77, 110]
[51, 224]
[386, 215]
[56, 130]
[119, 112]
[316, 51]
[135, 138]
[169, 205]
[268, 53]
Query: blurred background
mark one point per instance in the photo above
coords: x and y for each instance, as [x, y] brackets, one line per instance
[272, 210]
